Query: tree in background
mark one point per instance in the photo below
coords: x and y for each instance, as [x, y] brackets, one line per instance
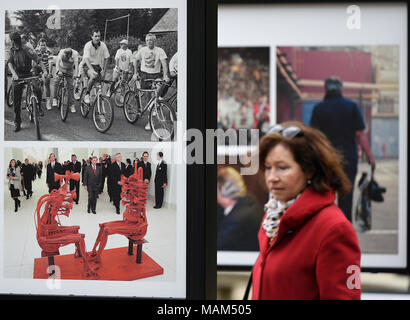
[32, 20]
[7, 25]
[78, 24]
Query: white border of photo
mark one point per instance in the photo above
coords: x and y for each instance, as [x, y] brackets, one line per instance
[146, 287]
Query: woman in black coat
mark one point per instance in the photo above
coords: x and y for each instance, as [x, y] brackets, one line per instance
[14, 176]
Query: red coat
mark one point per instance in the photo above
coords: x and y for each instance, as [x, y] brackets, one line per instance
[310, 257]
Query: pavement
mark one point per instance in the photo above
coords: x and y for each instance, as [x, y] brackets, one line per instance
[382, 238]
[75, 128]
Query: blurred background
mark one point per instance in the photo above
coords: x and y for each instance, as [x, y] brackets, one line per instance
[370, 76]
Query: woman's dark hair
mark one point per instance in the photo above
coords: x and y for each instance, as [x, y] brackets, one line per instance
[315, 155]
[15, 163]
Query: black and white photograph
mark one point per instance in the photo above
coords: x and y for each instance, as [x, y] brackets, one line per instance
[91, 203]
[91, 74]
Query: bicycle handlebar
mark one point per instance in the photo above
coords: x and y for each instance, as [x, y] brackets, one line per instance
[154, 80]
[26, 80]
[104, 81]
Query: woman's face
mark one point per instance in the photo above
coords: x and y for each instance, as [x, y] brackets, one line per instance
[283, 175]
[13, 163]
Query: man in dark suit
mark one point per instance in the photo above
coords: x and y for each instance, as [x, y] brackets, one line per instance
[92, 181]
[161, 180]
[116, 170]
[109, 179]
[53, 167]
[105, 162]
[83, 165]
[28, 173]
[146, 167]
[239, 213]
[75, 166]
[129, 169]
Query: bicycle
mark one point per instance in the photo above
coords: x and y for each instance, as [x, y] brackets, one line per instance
[78, 87]
[10, 97]
[172, 98]
[33, 106]
[103, 113]
[120, 89]
[62, 97]
[161, 115]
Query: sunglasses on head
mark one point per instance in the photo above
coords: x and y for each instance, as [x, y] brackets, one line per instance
[288, 132]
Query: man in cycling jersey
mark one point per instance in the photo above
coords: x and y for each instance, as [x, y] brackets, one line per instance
[20, 64]
[95, 58]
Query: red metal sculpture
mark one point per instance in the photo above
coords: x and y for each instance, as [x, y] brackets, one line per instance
[134, 195]
[51, 235]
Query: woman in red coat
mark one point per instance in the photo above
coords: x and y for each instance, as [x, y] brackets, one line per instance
[308, 249]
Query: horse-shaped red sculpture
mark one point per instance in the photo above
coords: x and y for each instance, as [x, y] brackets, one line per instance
[51, 235]
[134, 195]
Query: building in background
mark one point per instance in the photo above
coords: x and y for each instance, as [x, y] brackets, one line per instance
[167, 24]
[370, 76]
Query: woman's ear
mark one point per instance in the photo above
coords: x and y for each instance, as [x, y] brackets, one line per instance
[309, 177]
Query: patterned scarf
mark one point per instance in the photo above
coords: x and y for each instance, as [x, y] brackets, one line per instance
[274, 211]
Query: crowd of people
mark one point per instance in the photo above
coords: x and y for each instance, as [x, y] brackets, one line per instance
[96, 173]
[243, 87]
[27, 59]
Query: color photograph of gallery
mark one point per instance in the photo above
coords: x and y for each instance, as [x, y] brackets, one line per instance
[54, 226]
[369, 77]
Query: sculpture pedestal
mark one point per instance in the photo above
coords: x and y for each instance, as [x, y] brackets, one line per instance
[116, 264]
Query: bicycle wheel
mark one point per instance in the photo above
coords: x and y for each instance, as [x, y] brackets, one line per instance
[28, 95]
[34, 108]
[131, 107]
[174, 104]
[78, 88]
[103, 116]
[10, 96]
[63, 104]
[119, 94]
[59, 94]
[84, 107]
[162, 118]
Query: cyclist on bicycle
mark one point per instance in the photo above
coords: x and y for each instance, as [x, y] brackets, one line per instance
[173, 73]
[173, 65]
[67, 64]
[45, 55]
[20, 64]
[95, 58]
[122, 63]
[151, 59]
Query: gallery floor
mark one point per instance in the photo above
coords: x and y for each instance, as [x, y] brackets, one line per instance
[21, 247]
